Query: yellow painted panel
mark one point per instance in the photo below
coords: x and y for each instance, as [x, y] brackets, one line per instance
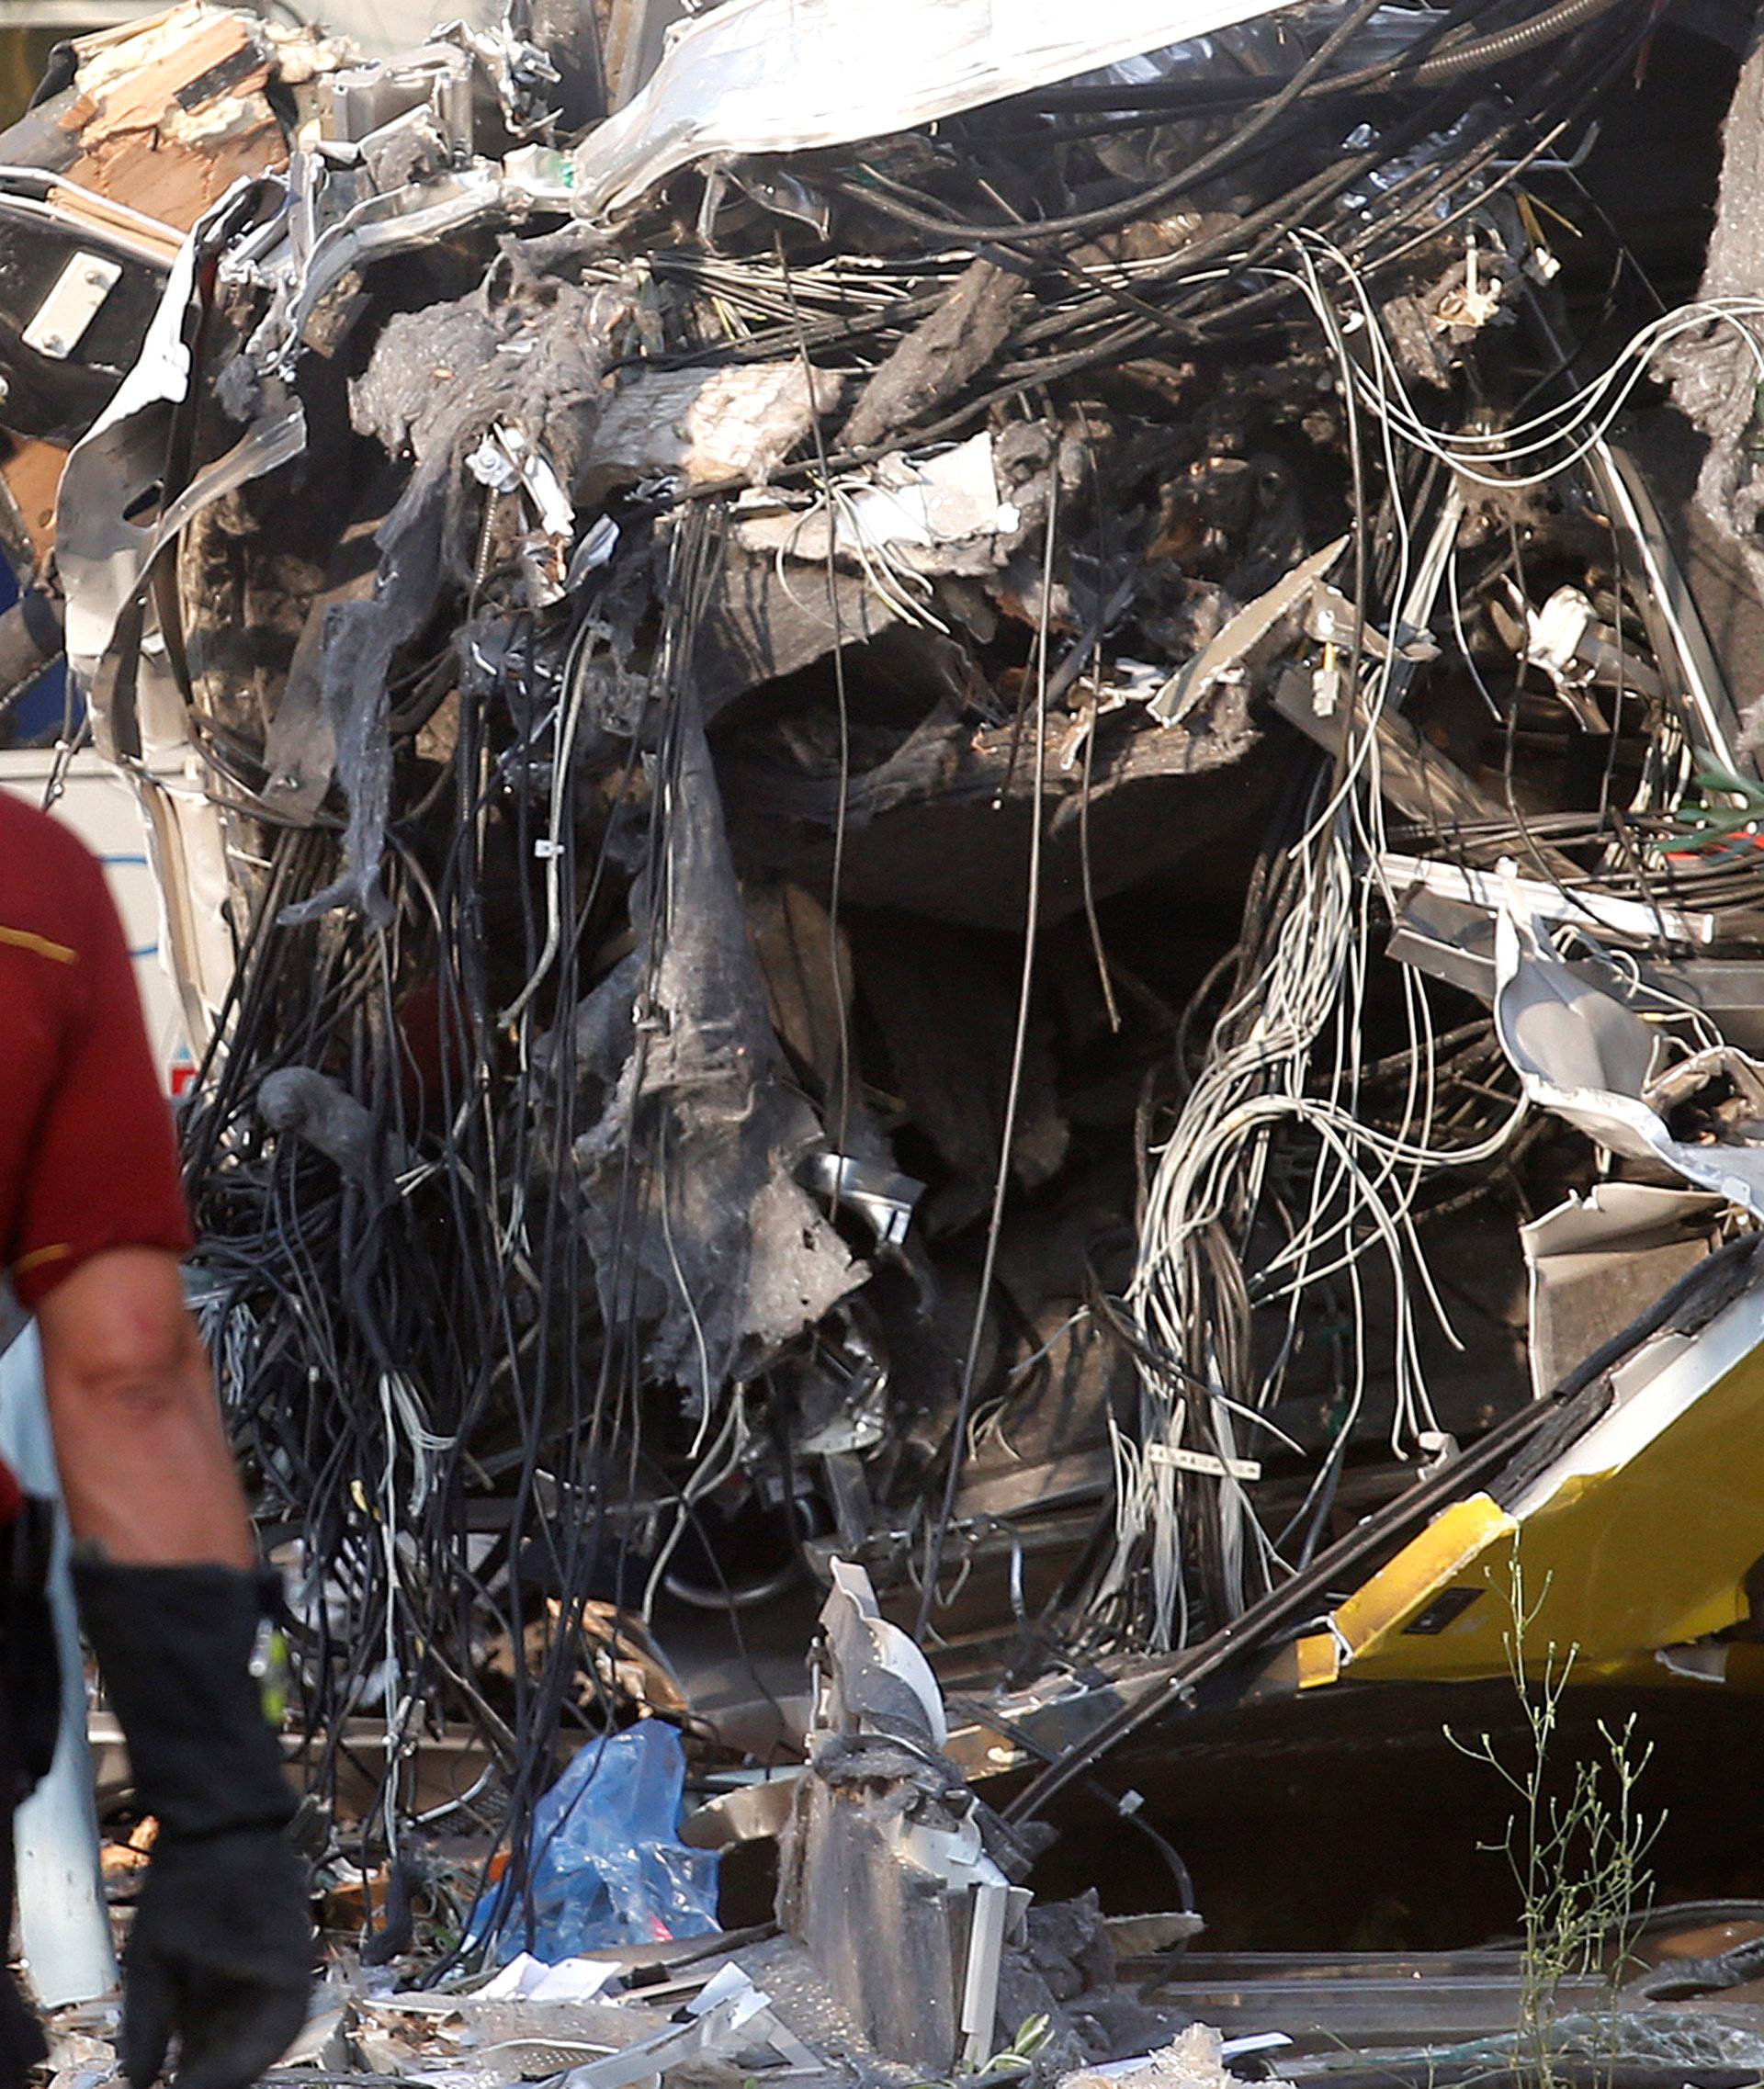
[1616, 1564]
[1320, 1660]
[1453, 1542]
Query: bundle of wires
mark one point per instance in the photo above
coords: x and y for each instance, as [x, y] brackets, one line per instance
[445, 1415]
[447, 1442]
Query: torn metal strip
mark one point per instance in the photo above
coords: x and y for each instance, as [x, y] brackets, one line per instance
[1482, 888]
[786, 75]
[103, 557]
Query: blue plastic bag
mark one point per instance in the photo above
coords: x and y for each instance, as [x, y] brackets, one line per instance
[608, 1866]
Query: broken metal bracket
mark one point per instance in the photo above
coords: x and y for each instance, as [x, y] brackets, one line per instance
[76, 299]
[885, 1200]
[1256, 626]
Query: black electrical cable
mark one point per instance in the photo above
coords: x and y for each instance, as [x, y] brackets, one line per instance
[1478, 54]
[1486, 52]
[957, 1441]
[1482, 54]
[1147, 202]
[1259, 1626]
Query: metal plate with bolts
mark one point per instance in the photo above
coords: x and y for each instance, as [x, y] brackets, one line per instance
[74, 301]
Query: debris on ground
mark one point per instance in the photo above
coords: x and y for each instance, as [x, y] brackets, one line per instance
[1194, 2059]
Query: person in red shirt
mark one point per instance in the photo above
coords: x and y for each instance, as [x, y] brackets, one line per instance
[91, 1227]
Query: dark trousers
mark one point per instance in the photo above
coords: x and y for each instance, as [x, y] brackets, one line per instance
[22, 2044]
[30, 1695]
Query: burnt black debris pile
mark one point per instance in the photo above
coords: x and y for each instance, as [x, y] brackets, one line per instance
[907, 805]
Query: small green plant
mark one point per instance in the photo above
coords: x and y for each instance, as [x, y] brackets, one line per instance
[1577, 1845]
[1033, 2033]
[1016, 2057]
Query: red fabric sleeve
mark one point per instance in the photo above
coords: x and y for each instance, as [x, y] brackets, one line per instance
[102, 1168]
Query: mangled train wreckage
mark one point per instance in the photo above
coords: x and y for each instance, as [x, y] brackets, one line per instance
[979, 794]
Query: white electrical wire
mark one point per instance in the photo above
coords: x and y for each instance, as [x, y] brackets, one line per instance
[1299, 1064]
[1566, 433]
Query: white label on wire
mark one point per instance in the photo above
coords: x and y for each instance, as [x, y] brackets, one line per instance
[1204, 1461]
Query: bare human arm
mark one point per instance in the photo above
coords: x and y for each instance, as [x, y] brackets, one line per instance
[220, 1956]
[143, 1458]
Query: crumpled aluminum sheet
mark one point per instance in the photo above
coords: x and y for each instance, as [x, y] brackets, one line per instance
[788, 75]
[1585, 1054]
